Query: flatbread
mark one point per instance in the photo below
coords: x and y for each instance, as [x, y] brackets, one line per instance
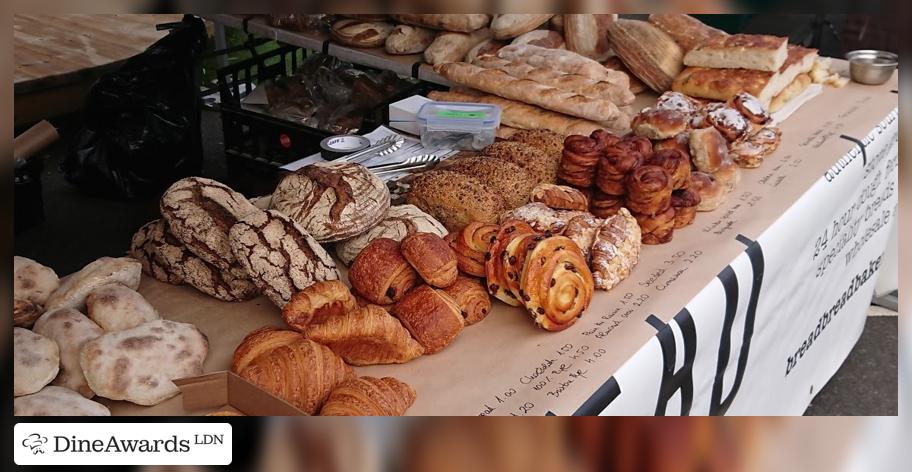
[36, 361]
[70, 329]
[57, 401]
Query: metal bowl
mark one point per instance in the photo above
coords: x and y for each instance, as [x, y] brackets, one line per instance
[870, 66]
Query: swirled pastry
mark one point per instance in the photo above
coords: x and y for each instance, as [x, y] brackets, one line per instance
[494, 270]
[678, 102]
[712, 192]
[750, 107]
[381, 274]
[638, 144]
[749, 153]
[675, 162]
[604, 138]
[579, 160]
[556, 283]
[514, 259]
[472, 298]
[615, 249]
[685, 202]
[658, 228]
[649, 190]
[728, 121]
[604, 205]
[471, 244]
[560, 197]
[616, 163]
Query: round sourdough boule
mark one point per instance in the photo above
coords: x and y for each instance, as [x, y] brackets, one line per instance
[57, 401]
[332, 202]
[36, 361]
[279, 256]
[70, 329]
[139, 364]
[199, 213]
[399, 222]
[144, 248]
[115, 308]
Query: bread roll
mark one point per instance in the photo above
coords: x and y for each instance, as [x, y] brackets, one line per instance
[506, 26]
[431, 257]
[471, 297]
[115, 307]
[432, 316]
[708, 148]
[70, 329]
[318, 303]
[33, 283]
[453, 47]
[509, 180]
[712, 192]
[551, 142]
[36, 361]
[291, 367]
[360, 34]
[145, 247]
[369, 396]
[405, 39]
[538, 164]
[366, 336]
[381, 274]
[728, 174]
[658, 123]
[455, 199]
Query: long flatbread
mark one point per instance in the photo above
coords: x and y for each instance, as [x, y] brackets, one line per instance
[562, 60]
[575, 83]
[528, 91]
[523, 116]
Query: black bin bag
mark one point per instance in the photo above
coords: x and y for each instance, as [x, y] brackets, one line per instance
[142, 122]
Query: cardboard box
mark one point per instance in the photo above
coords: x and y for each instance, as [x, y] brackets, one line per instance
[225, 391]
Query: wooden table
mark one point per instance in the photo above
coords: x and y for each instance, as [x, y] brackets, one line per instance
[58, 57]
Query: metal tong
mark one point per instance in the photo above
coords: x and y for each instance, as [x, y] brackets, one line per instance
[387, 145]
[413, 163]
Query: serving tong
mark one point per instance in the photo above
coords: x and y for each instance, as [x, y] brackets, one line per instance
[383, 147]
[422, 161]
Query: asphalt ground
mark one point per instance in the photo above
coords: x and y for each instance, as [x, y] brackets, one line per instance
[78, 228]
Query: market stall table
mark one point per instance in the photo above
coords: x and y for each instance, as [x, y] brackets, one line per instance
[749, 311]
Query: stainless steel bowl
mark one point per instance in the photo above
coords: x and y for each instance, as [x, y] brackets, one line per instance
[870, 66]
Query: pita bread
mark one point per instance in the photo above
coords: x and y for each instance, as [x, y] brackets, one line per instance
[70, 329]
[107, 270]
[36, 360]
[116, 307]
[57, 401]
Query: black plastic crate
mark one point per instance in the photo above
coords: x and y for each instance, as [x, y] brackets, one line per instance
[257, 144]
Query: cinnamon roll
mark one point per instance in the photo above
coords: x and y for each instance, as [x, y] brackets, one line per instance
[514, 259]
[750, 107]
[658, 228]
[579, 160]
[685, 202]
[556, 283]
[603, 205]
[616, 163]
[470, 246]
[494, 269]
[649, 190]
[675, 162]
[604, 138]
[615, 250]
[638, 144]
[749, 153]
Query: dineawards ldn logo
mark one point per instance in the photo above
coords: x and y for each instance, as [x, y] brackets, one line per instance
[122, 444]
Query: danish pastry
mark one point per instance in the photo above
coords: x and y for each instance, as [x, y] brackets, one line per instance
[556, 283]
[432, 257]
[381, 274]
[471, 244]
[431, 316]
[560, 197]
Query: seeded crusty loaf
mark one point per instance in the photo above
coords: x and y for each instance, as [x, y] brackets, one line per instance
[541, 166]
[170, 259]
[332, 202]
[279, 256]
[199, 213]
[503, 177]
[455, 199]
[546, 140]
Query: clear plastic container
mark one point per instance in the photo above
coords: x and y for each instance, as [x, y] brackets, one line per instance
[463, 126]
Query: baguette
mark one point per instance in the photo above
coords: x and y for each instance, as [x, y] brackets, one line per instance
[500, 83]
[587, 34]
[461, 23]
[484, 48]
[544, 38]
[562, 60]
[568, 82]
[453, 47]
[523, 116]
[506, 26]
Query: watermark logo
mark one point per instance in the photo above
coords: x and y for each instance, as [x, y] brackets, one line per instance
[35, 442]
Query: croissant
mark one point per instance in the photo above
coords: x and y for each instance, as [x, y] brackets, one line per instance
[369, 396]
[514, 260]
[432, 257]
[556, 283]
[290, 366]
[472, 298]
[685, 202]
[579, 160]
[649, 190]
[615, 250]
[317, 303]
[470, 246]
[658, 228]
[494, 270]
[431, 316]
[381, 274]
[604, 205]
[367, 336]
[560, 197]
[582, 230]
[675, 162]
[614, 166]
